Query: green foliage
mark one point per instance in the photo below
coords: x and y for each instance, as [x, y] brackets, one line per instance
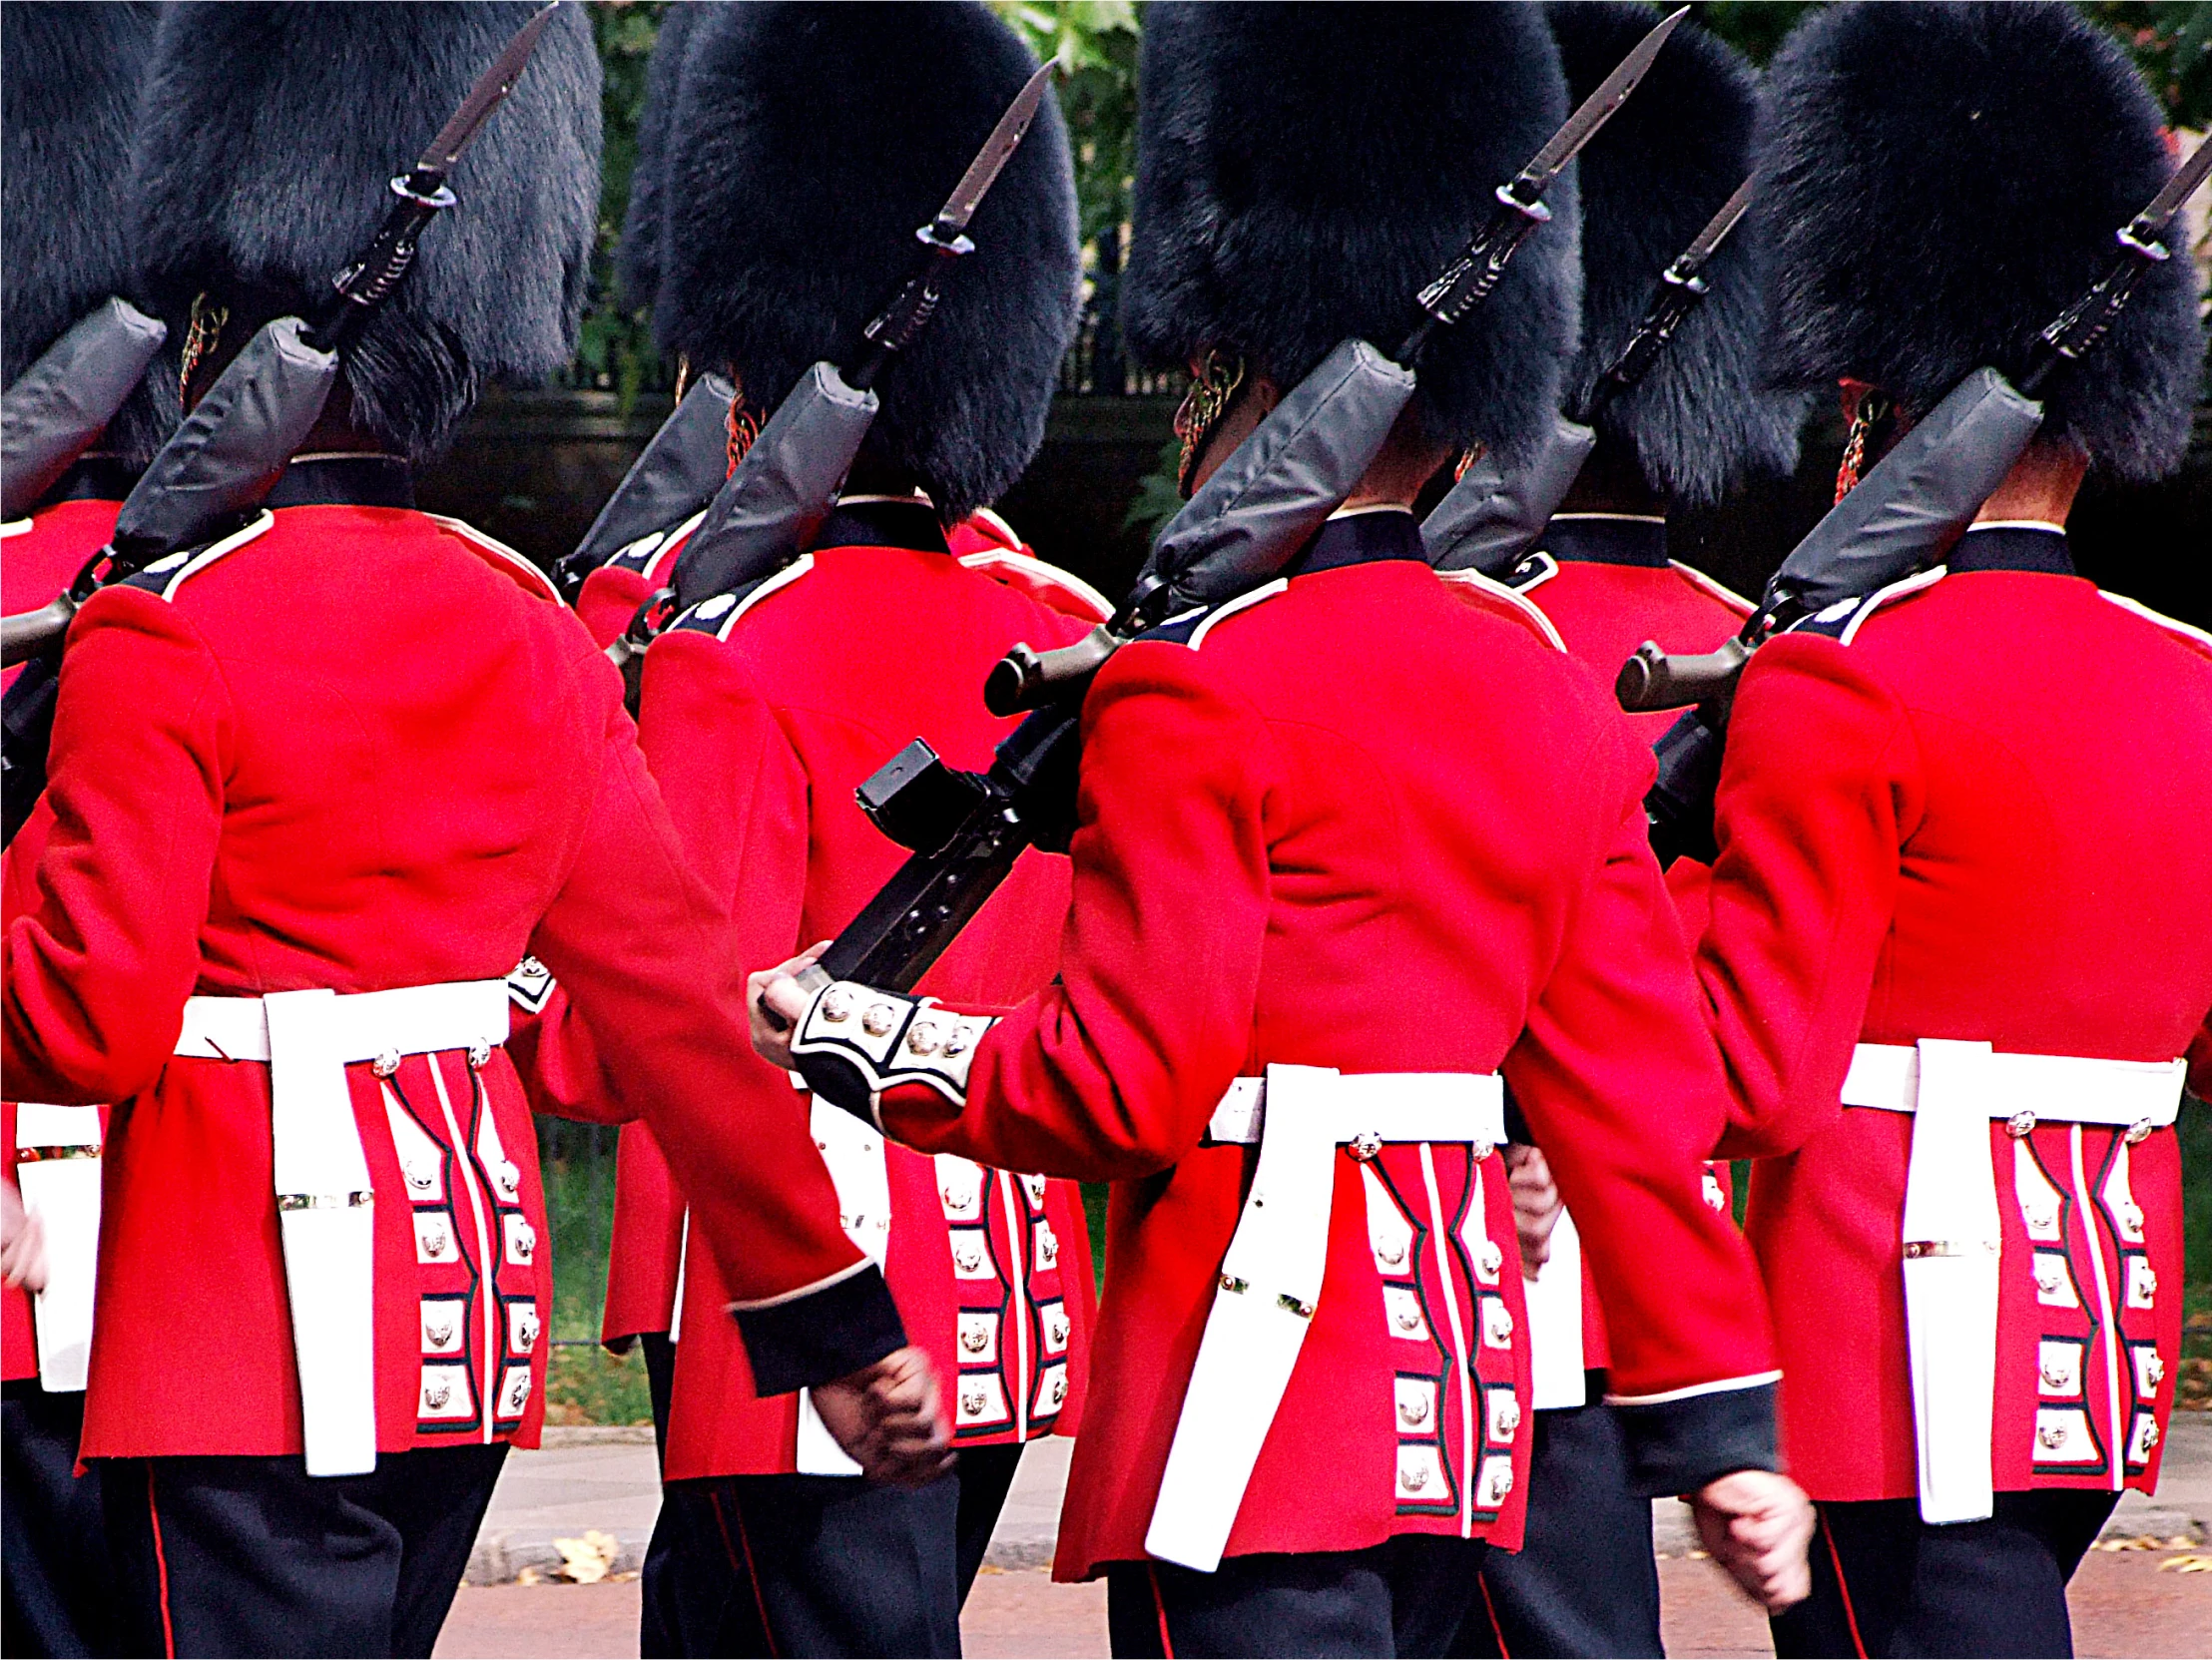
[2172, 43]
[1095, 44]
[614, 347]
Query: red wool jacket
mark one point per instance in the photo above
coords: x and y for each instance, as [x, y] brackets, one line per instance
[1972, 807]
[359, 748]
[760, 721]
[39, 557]
[1293, 850]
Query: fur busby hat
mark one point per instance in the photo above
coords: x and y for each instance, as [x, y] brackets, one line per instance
[1651, 179]
[261, 165]
[638, 260]
[1303, 170]
[69, 85]
[1941, 181]
[809, 144]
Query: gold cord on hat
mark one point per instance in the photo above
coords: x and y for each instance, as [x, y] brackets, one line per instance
[1467, 458]
[1876, 407]
[201, 339]
[742, 425]
[682, 374]
[1213, 385]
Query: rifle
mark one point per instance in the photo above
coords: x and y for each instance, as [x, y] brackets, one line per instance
[673, 476]
[221, 463]
[1910, 505]
[64, 402]
[767, 511]
[1239, 530]
[1491, 516]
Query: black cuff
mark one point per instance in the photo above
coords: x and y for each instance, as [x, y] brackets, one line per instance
[822, 1335]
[837, 1081]
[1677, 1447]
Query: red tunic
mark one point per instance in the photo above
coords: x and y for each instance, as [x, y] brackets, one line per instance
[1607, 587]
[359, 748]
[1290, 846]
[1977, 813]
[759, 722]
[39, 557]
[646, 1249]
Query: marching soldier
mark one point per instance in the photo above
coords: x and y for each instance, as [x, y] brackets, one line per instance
[803, 149]
[69, 82]
[1319, 902]
[1584, 1580]
[314, 789]
[1961, 950]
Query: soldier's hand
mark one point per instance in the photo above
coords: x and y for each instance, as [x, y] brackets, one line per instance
[890, 1420]
[774, 991]
[1757, 1525]
[22, 1243]
[1537, 1207]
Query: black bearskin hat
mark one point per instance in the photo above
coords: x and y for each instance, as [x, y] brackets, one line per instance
[809, 144]
[1651, 179]
[1941, 180]
[1303, 170]
[69, 85]
[638, 260]
[260, 170]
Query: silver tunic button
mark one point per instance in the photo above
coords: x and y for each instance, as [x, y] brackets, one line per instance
[1060, 1389]
[421, 1179]
[956, 1043]
[2047, 1278]
[1481, 1150]
[526, 1241]
[926, 1038]
[436, 1393]
[1366, 1145]
[1499, 1322]
[510, 1177]
[1408, 1319]
[2053, 1436]
[2054, 1375]
[975, 1341]
[518, 1392]
[2138, 1132]
[1056, 1331]
[1491, 1258]
[973, 1401]
[440, 1335]
[436, 1235]
[1509, 1418]
[2019, 1124]
[385, 1063]
[1413, 1477]
[969, 1258]
[1391, 1256]
[2131, 1218]
[526, 1330]
[2154, 1369]
[478, 1055]
[1414, 1412]
[837, 1005]
[879, 1018]
[2150, 1434]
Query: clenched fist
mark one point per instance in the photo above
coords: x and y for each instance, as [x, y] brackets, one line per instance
[888, 1418]
[1757, 1525]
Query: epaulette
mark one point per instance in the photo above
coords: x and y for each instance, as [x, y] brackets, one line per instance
[1711, 589]
[1047, 584]
[1190, 628]
[1495, 598]
[164, 577]
[501, 558]
[2194, 638]
[1842, 621]
[718, 614]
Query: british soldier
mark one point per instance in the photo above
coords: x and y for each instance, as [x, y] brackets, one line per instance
[805, 148]
[1321, 904]
[69, 81]
[314, 789]
[1961, 950]
[1584, 1580]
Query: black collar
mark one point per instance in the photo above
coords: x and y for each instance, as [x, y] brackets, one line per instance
[2013, 547]
[345, 481]
[883, 524]
[1601, 539]
[1362, 539]
[92, 478]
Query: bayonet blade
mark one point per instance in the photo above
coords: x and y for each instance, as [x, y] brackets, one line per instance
[2153, 220]
[1594, 112]
[1715, 233]
[485, 96]
[997, 150]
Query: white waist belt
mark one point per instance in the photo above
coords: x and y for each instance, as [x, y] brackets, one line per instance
[58, 1168]
[1951, 1238]
[1270, 1275]
[323, 1197]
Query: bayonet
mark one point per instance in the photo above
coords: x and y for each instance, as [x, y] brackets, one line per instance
[1520, 207]
[1681, 287]
[998, 151]
[489, 92]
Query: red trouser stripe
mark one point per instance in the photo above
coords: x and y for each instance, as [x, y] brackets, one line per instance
[1843, 1587]
[1490, 1608]
[744, 1548]
[1160, 1607]
[160, 1565]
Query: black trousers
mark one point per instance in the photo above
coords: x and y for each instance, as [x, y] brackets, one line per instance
[1584, 1581]
[254, 1556]
[59, 1589]
[1406, 1596]
[1887, 1583]
[825, 1564]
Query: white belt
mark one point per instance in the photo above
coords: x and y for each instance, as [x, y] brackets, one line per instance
[58, 1168]
[1951, 1238]
[323, 1196]
[1270, 1275]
